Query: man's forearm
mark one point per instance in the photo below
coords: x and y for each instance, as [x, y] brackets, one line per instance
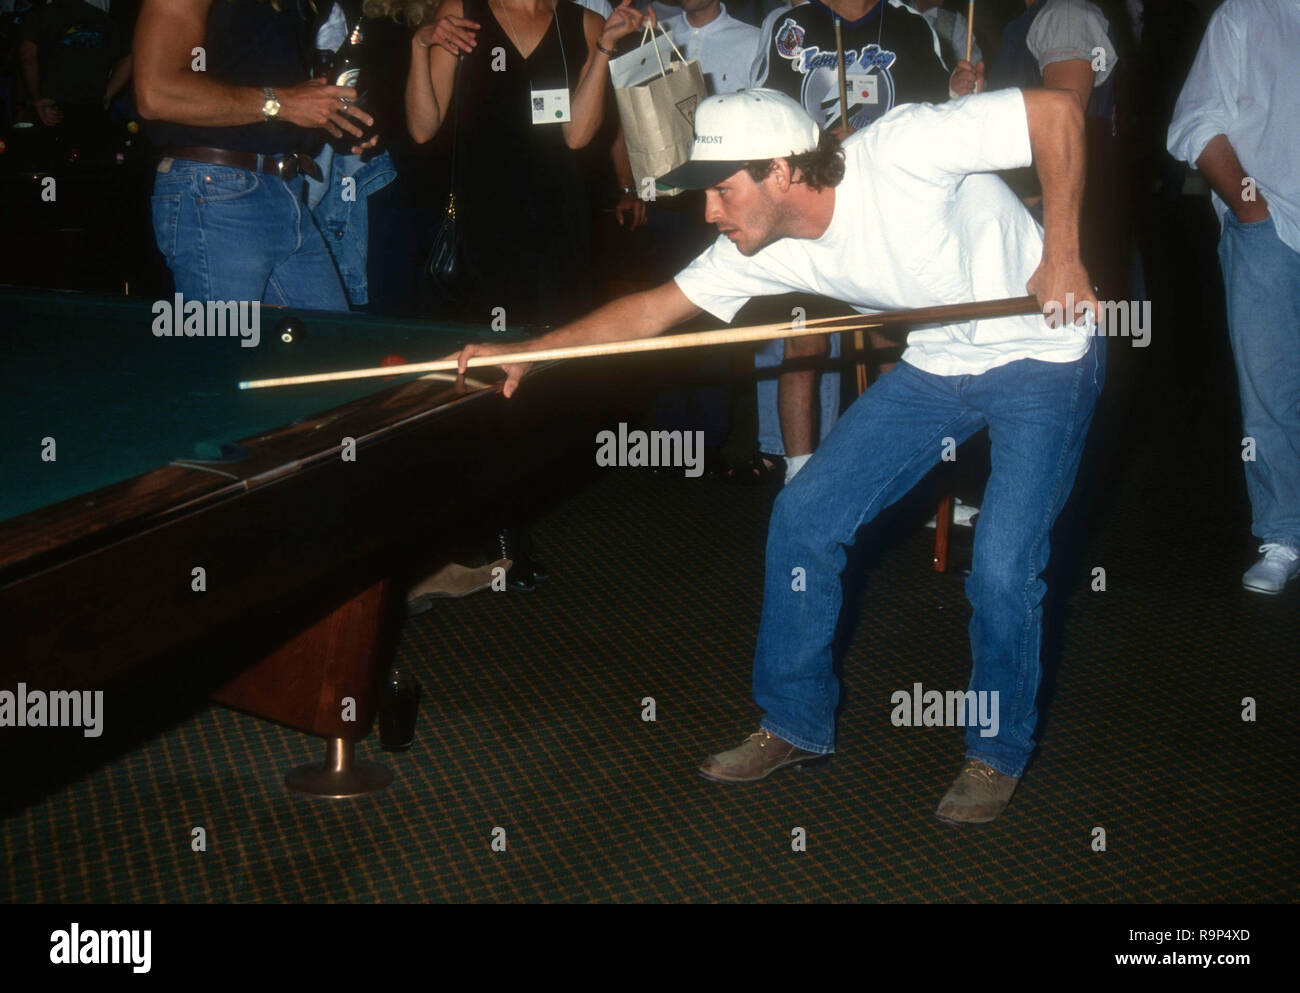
[200, 101]
[1060, 155]
[637, 315]
[1224, 172]
[167, 87]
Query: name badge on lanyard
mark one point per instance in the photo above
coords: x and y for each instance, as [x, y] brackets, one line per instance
[550, 106]
[862, 88]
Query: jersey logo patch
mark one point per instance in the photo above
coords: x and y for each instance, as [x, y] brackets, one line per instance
[819, 91]
[789, 39]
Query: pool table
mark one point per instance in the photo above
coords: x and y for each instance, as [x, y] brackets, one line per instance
[130, 461]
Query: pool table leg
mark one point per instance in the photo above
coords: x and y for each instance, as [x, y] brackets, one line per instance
[340, 775]
[942, 530]
[326, 681]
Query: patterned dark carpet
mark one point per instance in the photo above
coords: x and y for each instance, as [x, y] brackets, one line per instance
[531, 721]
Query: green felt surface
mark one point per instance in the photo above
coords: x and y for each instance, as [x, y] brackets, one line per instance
[90, 373]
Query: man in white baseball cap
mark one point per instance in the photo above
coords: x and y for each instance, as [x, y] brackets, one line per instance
[905, 214]
[740, 127]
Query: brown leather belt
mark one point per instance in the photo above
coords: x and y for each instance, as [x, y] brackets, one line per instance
[285, 166]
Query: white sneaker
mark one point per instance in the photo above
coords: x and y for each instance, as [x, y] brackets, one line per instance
[963, 515]
[1280, 565]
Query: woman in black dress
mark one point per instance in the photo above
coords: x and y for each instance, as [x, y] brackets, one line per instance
[531, 92]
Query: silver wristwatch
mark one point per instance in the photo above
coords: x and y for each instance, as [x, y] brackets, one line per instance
[270, 106]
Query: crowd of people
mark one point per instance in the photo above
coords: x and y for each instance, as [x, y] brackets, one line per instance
[447, 114]
[868, 181]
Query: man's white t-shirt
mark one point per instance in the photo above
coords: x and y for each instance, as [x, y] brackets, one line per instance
[918, 222]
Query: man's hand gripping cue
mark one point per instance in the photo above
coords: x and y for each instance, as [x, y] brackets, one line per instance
[515, 371]
[1063, 289]
[638, 315]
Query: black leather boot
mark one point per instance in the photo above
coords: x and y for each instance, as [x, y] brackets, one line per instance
[525, 571]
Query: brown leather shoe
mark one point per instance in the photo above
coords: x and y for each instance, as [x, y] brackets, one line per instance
[977, 796]
[760, 755]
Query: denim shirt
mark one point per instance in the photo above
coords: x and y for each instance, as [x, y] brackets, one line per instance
[344, 221]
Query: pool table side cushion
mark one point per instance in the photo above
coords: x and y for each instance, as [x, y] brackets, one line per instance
[33, 540]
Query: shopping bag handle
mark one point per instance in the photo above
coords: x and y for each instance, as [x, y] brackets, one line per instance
[649, 32]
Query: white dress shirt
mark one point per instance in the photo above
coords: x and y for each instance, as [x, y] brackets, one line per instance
[724, 48]
[663, 11]
[1244, 84]
[601, 7]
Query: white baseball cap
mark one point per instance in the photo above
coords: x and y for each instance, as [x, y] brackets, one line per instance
[745, 126]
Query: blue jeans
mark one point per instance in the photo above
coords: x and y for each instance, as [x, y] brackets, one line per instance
[1038, 415]
[1262, 278]
[234, 234]
[769, 417]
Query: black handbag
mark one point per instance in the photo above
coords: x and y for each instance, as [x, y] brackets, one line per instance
[446, 267]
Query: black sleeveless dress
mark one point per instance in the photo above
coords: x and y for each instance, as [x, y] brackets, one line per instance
[520, 202]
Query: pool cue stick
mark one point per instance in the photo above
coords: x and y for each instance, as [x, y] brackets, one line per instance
[900, 320]
[859, 339]
[943, 514]
[839, 65]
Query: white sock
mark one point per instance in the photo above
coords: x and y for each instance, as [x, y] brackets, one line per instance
[793, 464]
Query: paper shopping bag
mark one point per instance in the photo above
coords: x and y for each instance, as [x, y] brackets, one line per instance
[657, 91]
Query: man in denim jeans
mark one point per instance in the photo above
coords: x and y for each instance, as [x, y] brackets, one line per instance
[905, 215]
[224, 94]
[1239, 123]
